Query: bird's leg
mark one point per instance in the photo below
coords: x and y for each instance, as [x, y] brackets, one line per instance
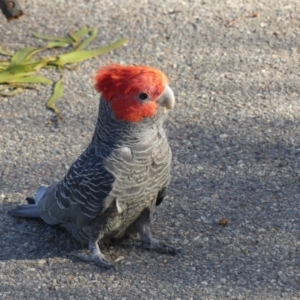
[95, 256]
[151, 243]
[142, 226]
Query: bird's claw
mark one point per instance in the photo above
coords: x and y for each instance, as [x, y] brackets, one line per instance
[98, 260]
[160, 247]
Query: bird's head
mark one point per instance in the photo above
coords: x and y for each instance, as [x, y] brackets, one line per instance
[134, 92]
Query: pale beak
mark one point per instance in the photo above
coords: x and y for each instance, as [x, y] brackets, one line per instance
[167, 98]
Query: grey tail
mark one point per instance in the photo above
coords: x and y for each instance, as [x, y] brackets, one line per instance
[30, 210]
[25, 211]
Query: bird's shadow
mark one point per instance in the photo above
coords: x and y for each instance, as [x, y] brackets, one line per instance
[32, 239]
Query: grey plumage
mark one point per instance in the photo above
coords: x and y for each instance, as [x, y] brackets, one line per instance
[113, 187]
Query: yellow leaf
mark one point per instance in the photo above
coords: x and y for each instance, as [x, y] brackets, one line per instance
[3, 66]
[12, 93]
[31, 79]
[5, 53]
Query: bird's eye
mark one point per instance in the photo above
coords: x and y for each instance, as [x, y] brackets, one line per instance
[143, 96]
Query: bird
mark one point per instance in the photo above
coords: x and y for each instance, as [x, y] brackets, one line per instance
[114, 186]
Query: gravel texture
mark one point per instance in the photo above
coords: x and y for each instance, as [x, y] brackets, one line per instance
[234, 69]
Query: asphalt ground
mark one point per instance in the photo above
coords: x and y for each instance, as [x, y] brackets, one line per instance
[234, 69]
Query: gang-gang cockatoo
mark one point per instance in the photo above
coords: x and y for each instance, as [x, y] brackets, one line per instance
[113, 187]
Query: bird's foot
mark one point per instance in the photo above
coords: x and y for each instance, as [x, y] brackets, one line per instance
[95, 256]
[98, 260]
[158, 246]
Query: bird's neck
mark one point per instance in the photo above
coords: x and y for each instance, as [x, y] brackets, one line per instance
[110, 131]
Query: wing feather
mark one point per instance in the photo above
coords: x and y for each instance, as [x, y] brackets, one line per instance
[82, 194]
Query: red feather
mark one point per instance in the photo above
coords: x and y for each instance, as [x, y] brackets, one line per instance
[121, 85]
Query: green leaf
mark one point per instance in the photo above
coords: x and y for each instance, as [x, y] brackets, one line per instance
[80, 34]
[16, 69]
[41, 64]
[68, 39]
[31, 79]
[7, 77]
[56, 44]
[30, 66]
[3, 66]
[12, 93]
[14, 72]
[87, 41]
[57, 93]
[79, 56]
[21, 55]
